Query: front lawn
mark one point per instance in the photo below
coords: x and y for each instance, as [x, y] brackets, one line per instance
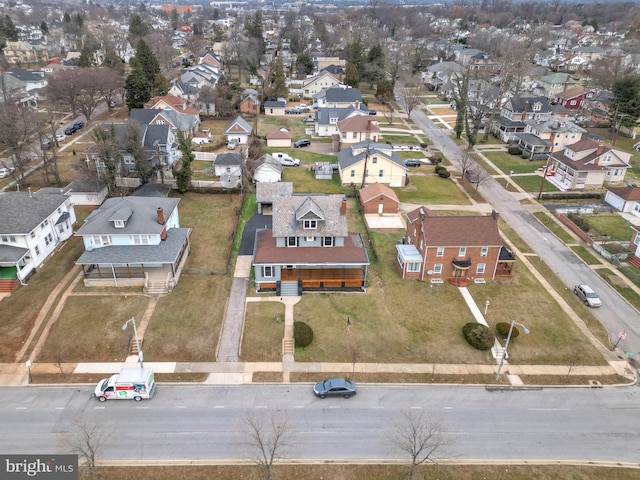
[531, 183]
[612, 225]
[513, 163]
[425, 189]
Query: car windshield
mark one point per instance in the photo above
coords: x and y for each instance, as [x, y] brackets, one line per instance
[591, 295]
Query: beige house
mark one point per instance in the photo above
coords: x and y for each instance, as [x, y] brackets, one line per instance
[24, 54]
[318, 83]
[588, 164]
[279, 138]
[358, 128]
[368, 162]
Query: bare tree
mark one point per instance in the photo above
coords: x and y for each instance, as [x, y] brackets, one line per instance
[422, 437]
[482, 177]
[466, 162]
[267, 437]
[86, 439]
[410, 95]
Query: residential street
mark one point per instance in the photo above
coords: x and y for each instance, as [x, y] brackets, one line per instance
[616, 314]
[191, 423]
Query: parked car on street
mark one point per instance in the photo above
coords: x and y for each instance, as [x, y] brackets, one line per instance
[78, 125]
[4, 172]
[335, 387]
[47, 144]
[60, 137]
[412, 162]
[70, 130]
[304, 142]
[232, 144]
[587, 295]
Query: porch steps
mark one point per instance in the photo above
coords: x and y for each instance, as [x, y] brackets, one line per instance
[9, 285]
[634, 261]
[288, 346]
[156, 288]
[133, 346]
[288, 289]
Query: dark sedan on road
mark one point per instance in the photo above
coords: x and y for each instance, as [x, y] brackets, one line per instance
[412, 162]
[335, 387]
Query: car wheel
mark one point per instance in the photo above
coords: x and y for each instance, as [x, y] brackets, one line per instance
[586, 302]
[102, 399]
[575, 290]
[322, 396]
[346, 395]
[137, 399]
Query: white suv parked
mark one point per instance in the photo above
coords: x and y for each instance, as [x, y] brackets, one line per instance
[286, 160]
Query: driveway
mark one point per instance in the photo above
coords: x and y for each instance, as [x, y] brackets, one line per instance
[249, 234]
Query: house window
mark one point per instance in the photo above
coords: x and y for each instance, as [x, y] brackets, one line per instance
[481, 267]
[636, 207]
[440, 252]
[353, 173]
[43, 224]
[310, 224]
[437, 268]
[37, 250]
[291, 241]
[33, 235]
[484, 251]
[61, 228]
[5, 239]
[327, 241]
[381, 173]
[140, 239]
[355, 135]
[118, 223]
[344, 135]
[462, 251]
[374, 160]
[267, 272]
[105, 239]
[413, 267]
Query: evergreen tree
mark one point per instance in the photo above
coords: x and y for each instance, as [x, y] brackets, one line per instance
[354, 54]
[137, 26]
[145, 60]
[86, 57]
[8, 30]
[304, 63]
[138, 89]
[255, 30]
[183, 174]
[384, 91]
[278, 87]
[352, 77]
[44, 28]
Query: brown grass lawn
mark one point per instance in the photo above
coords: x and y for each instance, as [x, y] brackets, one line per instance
[263, 332]
[213, 219]
[400, 320]
[186, 324]
[18, 311]
[372, 472]
[89, 329]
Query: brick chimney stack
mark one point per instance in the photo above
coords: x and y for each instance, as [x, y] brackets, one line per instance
[160, 216]
[343, 206]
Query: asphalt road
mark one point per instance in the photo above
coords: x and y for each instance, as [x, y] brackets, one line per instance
[615, 314]
[207, 422]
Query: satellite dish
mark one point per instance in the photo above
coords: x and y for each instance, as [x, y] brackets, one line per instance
[429, 272]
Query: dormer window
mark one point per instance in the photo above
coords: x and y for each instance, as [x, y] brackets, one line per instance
[310, 224]
[119, 223]
[537, 107]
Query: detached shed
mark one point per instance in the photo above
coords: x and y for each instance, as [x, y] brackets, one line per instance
[280, 138]
[380, 199]
[323, 170]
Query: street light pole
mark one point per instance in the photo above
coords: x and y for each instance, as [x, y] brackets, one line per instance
[135, 335]
[506, 345]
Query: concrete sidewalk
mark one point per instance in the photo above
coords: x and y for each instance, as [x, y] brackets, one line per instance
[229, 373]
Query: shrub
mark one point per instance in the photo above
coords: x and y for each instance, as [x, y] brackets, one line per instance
[479, 336]
[444, 173]
[503, 330]
[514, 150]
[581, 222]
[302, 334]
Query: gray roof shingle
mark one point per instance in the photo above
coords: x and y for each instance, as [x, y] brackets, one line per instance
[21, 212]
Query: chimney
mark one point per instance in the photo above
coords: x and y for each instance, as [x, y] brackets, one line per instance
[163, 234]
[343, 206]
[524, 110]
[599, 151]
[161, 216]
[495, 215]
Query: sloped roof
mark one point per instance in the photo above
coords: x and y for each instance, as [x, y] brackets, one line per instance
[358, 123]
[281, 133]
[239, 125]
[21, 212]
[266, 192]
[358, 152]
[230, 159]
[143, 218]
[374, 190]
[341, 95]
[286, 210]
[626, 193]
[457, 231]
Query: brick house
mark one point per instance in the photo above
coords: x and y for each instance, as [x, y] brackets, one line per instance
[380, 199]
[453, 248]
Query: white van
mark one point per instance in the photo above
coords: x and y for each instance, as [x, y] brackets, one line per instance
[130, 383]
